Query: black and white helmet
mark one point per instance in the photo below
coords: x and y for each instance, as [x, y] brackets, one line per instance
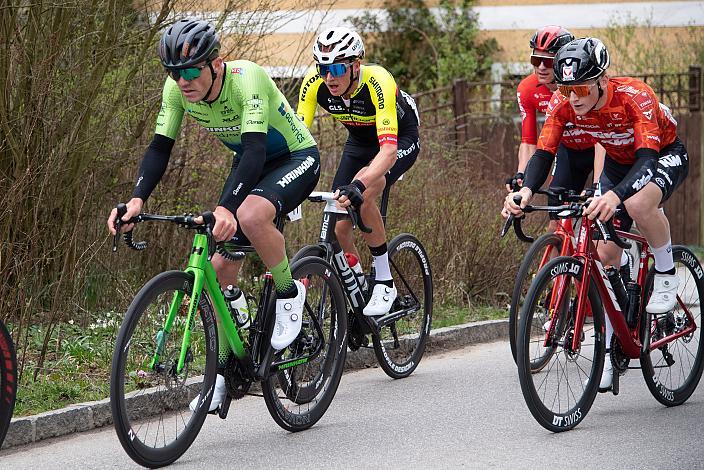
[337, 44]
[580, 60]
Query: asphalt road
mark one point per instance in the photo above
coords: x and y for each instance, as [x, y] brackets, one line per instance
[459, 409]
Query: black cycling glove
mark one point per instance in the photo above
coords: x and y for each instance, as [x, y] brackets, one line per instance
[353, 191]
[513, 181]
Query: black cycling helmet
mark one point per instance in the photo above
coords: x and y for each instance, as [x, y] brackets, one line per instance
[550, 39]
[581, 60]
[187, 43]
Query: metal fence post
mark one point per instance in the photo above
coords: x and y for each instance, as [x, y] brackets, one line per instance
[459, 94]
[695, 88]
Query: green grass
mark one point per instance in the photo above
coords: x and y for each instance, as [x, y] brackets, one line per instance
[447, 315]
[77, 367]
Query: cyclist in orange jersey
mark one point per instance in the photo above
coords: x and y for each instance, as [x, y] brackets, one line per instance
[645, 163]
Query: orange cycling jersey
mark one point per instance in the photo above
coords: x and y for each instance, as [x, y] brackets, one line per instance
[534, 97]
[631, 119]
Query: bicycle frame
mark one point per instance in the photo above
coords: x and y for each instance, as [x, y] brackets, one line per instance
[204, 277]
[336, 257]
[593, 270]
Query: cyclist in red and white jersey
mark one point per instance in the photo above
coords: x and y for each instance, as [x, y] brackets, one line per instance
[577, 154]
[645, 161]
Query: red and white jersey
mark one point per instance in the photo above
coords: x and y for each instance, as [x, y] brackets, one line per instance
[534, 97]
[631, 119]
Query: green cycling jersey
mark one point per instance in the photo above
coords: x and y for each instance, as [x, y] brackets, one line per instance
[249, 102]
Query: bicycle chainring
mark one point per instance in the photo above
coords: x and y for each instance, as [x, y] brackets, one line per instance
[236, 382]
[618, 357]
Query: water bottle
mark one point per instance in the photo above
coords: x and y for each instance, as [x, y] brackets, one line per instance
[356, 266]
[632, 312]
[238, 305]
[619, 289]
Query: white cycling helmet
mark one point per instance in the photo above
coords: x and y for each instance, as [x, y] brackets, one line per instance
[337, 44]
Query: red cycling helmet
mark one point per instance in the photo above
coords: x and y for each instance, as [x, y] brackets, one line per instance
[550, 39]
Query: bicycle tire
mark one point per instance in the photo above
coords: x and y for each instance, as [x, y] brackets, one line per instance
[537, 399]
[400, 352]
[685, 351]
[139, 392]
[297, 397]
[8, 380]
[526, 273]
[309, 250]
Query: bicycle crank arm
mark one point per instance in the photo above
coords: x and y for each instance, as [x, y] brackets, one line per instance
[394, 316]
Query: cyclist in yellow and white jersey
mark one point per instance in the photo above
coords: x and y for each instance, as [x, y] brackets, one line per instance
[382, 121]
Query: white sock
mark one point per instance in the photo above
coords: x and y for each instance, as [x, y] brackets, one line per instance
[381, 266]
[663, 257]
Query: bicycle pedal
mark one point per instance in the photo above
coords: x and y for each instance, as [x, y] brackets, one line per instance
[615, 383]
[224, 407]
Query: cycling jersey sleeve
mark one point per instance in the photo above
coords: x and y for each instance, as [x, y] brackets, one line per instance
[556, 118]
[245, 175]
[168, 122]
[153, 166]
[255, 104]
[383, 93]
[538, 169]
[529, 127]
[639, 175]
[308, 97]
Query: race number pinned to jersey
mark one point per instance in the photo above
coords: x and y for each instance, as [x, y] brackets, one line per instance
[567, 73]
[295, 214]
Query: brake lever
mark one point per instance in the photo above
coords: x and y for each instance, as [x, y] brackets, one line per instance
[209, 221]
[121, 210]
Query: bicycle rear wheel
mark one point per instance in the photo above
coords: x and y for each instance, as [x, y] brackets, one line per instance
[8, 380]
[541, 251]
[399, 346]
[673, 370]
[298, 395]
[560, 394]
[149, 398]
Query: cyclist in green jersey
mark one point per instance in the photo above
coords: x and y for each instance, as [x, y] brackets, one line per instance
[276, 164]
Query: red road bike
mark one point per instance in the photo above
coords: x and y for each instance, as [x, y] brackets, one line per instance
[572, 293]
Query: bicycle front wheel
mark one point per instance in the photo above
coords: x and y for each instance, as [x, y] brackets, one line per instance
[149, 395]
[541, 251]
[673, 369]
[400, 345]
[561, 393]
[8, 380]
[299, 391]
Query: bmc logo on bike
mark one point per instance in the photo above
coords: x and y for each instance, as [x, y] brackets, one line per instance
[567, 267]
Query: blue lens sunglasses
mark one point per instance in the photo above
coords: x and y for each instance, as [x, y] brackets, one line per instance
[336, 70]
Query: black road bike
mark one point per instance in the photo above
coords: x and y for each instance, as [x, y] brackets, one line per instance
[399, 337]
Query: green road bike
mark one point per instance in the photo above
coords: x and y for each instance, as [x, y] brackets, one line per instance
[166, 352]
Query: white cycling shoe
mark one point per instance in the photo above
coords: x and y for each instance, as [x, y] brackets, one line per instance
[664, 296]
[607, 375]
[289, 319]
[381, 301]
[219, 392]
